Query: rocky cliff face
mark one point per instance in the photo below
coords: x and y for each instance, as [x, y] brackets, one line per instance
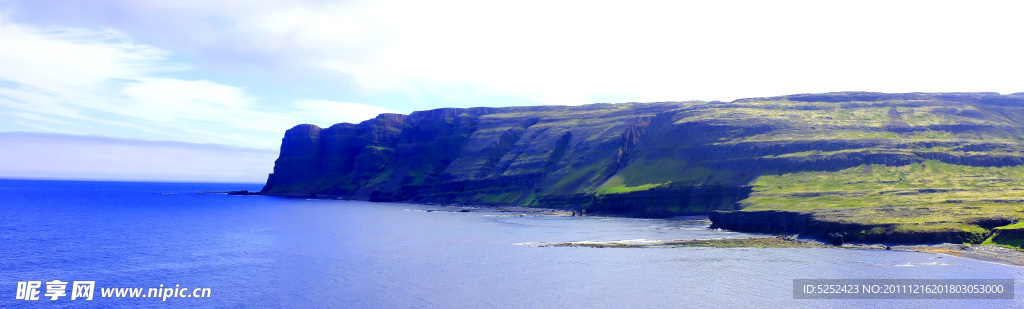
[336, 160]
[646, 159]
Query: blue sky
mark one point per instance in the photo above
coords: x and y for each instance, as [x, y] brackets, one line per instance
[239, 73]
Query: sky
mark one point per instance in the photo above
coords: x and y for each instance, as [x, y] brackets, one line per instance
[76, 157]
[239, 73]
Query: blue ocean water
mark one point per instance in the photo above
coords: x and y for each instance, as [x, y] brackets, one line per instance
[258, 251]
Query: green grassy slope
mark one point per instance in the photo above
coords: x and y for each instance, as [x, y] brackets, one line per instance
[927, 196]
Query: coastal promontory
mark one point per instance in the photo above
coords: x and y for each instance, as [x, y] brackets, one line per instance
[852, 166]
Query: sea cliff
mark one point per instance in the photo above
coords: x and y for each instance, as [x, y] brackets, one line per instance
[815, 163]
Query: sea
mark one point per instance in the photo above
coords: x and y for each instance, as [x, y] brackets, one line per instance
[275, 252]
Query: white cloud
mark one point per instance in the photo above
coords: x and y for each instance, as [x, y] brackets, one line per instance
[567, 52]
[682, 50]
[185, 103]
[72, 59]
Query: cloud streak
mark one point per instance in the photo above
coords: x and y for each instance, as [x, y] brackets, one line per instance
[101, 82]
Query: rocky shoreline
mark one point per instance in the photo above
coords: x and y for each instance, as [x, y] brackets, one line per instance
[747, 242]
[988, 253]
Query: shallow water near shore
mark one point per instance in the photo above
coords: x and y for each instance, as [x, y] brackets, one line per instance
[259, 251]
